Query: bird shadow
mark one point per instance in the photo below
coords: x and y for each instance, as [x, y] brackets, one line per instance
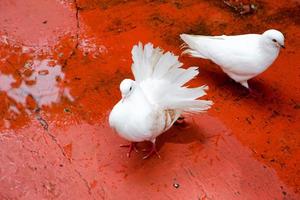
[261, 92]
[225, 87]
[184, 133]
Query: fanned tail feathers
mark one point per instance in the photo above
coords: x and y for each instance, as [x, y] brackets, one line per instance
[186, 99]
[154, 64]
[164, 79]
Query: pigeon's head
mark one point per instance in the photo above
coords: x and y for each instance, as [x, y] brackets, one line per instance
[274, 38]
[126, 87]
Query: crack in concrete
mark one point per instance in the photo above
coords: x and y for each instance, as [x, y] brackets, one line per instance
[191, 176]
[54, 139]
[65, 64]
[84, 180]
[76, 36]
[78, 26]
[78, 8]
[45, 125]
[103, 192]
[77, 13]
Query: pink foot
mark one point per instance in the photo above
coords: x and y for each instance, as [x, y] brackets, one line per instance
[132, 146]
[152, 151]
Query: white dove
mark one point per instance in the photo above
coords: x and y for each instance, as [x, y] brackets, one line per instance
[241, 57]
[156, 99]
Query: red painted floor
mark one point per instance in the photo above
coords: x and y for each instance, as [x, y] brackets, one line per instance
[61, 63]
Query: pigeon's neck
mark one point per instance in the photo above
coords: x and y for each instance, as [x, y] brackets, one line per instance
[137, 97]
[268, 47]
[268, 52]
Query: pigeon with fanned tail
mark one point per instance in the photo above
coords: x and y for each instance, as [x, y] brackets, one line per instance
[157, 97]
[241, 57]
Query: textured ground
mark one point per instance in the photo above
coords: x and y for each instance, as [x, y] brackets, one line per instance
[60, 66]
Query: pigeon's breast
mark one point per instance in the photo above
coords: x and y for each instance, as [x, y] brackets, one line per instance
[134, 118]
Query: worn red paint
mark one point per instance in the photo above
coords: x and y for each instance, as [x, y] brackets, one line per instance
[60, 66]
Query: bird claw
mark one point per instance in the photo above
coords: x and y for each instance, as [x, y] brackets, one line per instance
[131, 146]
[151, 152]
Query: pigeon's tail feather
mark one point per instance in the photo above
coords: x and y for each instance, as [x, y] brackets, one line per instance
[187, 99]
[181, 76]
[144, 60]
[192, 47]
[196, 106]
[152, 63]
[149, 62]
[162, 79]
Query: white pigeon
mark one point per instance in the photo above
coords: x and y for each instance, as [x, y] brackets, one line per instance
[241, 57]
[157, 98]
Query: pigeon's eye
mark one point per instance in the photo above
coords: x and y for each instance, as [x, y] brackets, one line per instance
[274, 40]
[130, 88]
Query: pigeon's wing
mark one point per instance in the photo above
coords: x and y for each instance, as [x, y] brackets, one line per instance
[232, 53]
[161, 78]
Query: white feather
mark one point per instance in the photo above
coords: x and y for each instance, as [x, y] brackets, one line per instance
[159, 96]
[162, 84]
[242, 57]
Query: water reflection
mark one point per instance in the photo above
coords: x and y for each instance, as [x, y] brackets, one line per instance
[40, 82]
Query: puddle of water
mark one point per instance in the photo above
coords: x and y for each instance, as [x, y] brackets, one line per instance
[39, 84]
[86, 69]
[42, 84]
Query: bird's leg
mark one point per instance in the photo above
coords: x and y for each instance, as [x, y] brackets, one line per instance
[152, 151]
[132, 146]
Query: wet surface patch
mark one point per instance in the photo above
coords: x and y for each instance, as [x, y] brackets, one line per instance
[57, 88]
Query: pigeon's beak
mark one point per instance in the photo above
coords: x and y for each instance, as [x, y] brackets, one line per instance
[280, 45]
